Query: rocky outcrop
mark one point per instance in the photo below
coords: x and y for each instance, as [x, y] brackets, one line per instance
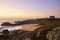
[7, 24]
[41, 34]
[54, 34]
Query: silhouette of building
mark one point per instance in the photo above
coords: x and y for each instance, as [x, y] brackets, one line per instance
[52, 17]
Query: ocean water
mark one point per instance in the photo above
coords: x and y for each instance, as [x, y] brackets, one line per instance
[10, 28]
[11, 21]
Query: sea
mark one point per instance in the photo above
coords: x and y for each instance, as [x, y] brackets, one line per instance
[11, 20]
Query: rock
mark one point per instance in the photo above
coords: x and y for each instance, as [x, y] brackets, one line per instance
[6, 24]
[54, 35]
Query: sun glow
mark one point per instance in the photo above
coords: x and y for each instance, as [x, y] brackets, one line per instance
[7, 12]
[28, 9]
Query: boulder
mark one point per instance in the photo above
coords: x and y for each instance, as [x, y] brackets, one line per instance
[54, 35]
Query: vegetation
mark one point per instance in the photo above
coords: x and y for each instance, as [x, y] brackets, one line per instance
[47, 25]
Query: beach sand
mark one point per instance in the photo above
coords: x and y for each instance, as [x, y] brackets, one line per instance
[29, 27]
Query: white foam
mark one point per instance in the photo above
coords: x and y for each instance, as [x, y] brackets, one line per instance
[12, 28]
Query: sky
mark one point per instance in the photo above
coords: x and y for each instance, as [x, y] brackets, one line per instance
[29, 8]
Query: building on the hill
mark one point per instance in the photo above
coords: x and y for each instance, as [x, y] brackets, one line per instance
[52, 17]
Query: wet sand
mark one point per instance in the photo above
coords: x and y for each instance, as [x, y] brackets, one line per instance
[29, 27]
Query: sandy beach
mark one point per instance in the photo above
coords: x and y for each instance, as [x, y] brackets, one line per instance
[29, 27]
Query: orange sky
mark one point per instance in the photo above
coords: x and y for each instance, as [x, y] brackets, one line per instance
[28, 8]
